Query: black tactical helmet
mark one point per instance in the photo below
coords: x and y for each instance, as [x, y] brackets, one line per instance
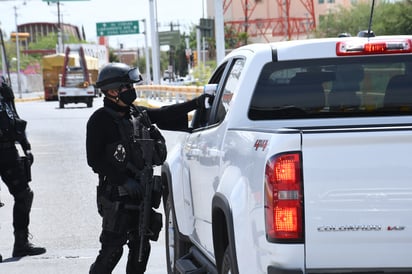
[114, 75]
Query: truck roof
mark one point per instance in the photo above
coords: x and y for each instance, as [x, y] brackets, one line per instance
[323, 47]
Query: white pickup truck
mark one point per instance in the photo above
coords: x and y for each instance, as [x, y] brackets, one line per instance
[303, 163]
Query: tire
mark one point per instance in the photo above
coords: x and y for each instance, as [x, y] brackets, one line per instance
[61, 103]
[227, 263]
[175, 246]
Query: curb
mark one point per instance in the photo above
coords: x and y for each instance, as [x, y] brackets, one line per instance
[28, 99]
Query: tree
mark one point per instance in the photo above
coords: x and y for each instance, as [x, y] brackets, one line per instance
[112, 56]
[388, 19]
[234, 39]
[141, 64]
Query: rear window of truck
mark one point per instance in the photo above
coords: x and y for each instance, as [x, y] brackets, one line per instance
[336, 87]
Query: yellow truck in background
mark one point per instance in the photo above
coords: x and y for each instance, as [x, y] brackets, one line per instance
[80, 72]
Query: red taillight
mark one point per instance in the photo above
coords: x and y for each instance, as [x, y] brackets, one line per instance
[366, 47]
[284, 198]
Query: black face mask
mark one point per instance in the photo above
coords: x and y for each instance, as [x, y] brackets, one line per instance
[128, 96]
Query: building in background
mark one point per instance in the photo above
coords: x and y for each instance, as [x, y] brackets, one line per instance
[40, 29]
[275, 20]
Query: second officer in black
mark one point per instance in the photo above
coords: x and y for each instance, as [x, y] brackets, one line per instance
[111, 152]
[15, 170]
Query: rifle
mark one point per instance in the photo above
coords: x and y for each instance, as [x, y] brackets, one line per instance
[149, 225]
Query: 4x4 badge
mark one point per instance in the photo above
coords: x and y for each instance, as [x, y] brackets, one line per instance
[261, 143]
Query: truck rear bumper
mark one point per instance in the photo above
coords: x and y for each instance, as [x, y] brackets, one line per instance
[74, 99]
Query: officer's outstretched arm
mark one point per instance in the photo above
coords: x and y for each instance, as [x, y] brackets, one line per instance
[175, 117]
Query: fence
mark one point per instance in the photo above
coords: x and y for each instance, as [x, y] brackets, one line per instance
[28, 82]
[166, 93]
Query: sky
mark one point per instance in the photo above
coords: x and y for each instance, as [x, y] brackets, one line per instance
[87, 13]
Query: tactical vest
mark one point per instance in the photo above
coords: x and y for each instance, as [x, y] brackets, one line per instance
[127, 154]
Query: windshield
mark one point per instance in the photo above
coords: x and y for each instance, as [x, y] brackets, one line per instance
[339, 87]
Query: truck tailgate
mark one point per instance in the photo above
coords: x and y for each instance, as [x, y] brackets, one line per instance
[358, 197]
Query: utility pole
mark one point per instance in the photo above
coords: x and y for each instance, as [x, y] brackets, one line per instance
[18, 53]
[155, 42]
[188, 53]
[59, 29]
[198, 48]
[146, 46]
[219, 31]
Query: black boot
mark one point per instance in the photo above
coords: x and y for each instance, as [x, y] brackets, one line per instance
[1, 258]
[22, 246]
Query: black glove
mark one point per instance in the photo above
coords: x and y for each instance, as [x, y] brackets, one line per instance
[201, 100]
[134, 189]
[29, 156]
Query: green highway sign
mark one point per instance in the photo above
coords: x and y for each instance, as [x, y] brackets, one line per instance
[171, 38]
[117, 28]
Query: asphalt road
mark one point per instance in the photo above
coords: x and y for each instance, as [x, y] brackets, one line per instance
[64, 217]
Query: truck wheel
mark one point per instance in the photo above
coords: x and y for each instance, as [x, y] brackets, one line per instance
[226, 262]
[175, 246]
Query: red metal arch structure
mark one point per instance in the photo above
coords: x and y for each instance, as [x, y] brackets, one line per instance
[283, 27]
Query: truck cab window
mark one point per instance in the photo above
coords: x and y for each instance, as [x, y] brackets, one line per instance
[226, 92]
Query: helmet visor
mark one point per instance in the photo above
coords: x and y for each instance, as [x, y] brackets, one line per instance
[134, 75]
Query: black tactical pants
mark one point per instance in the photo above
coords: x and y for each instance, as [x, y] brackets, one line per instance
[119, 228]
[13, 175]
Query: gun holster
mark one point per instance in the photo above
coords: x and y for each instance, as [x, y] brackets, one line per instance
[25, 167]
[156, 224]
[157, 191]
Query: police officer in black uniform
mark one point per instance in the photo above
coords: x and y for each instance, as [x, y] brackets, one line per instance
[110, 151]
[15, 170]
